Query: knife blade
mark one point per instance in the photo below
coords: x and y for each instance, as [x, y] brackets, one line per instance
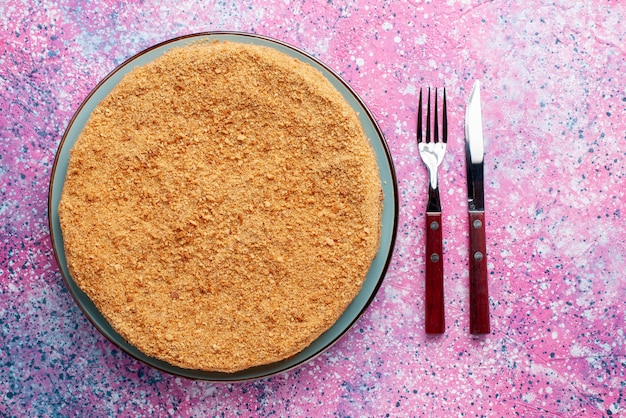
[474, 160]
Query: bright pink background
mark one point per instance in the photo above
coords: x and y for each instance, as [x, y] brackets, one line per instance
[553, 105]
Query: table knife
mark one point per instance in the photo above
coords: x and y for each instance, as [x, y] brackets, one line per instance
[474, 158]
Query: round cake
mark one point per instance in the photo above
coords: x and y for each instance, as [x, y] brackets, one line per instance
[222, 206]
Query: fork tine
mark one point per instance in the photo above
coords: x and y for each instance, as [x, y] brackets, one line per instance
[419, 119]
[435, 121]
[444, 119]
[428, 118]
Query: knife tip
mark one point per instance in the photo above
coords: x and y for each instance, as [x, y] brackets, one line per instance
[475, 87]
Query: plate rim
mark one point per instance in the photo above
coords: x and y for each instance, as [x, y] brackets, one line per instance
[224, 377]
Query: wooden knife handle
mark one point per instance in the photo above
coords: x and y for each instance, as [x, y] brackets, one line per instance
[478, 291]
[435, 318]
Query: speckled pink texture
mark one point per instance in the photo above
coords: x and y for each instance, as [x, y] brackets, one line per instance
[554, 104]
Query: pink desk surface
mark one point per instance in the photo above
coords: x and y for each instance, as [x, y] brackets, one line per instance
[554, 101]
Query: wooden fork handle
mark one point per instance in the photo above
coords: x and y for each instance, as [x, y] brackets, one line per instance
[479, 290]
[435, 318]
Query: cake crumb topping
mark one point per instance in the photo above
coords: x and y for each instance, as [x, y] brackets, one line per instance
[222, 206]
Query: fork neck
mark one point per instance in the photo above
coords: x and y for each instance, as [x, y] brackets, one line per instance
[434, 201]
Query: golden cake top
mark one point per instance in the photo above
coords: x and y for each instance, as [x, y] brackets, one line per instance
[222, 206]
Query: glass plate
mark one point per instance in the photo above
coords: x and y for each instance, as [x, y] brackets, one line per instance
[389, 216]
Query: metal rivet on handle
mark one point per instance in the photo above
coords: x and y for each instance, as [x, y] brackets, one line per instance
[434, 225]
[478, 256]
[434, 257]
[477, 224]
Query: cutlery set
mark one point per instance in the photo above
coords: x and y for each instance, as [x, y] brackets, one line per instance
[432, 149]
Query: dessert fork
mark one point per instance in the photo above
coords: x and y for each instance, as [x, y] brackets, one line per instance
[432, 151]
